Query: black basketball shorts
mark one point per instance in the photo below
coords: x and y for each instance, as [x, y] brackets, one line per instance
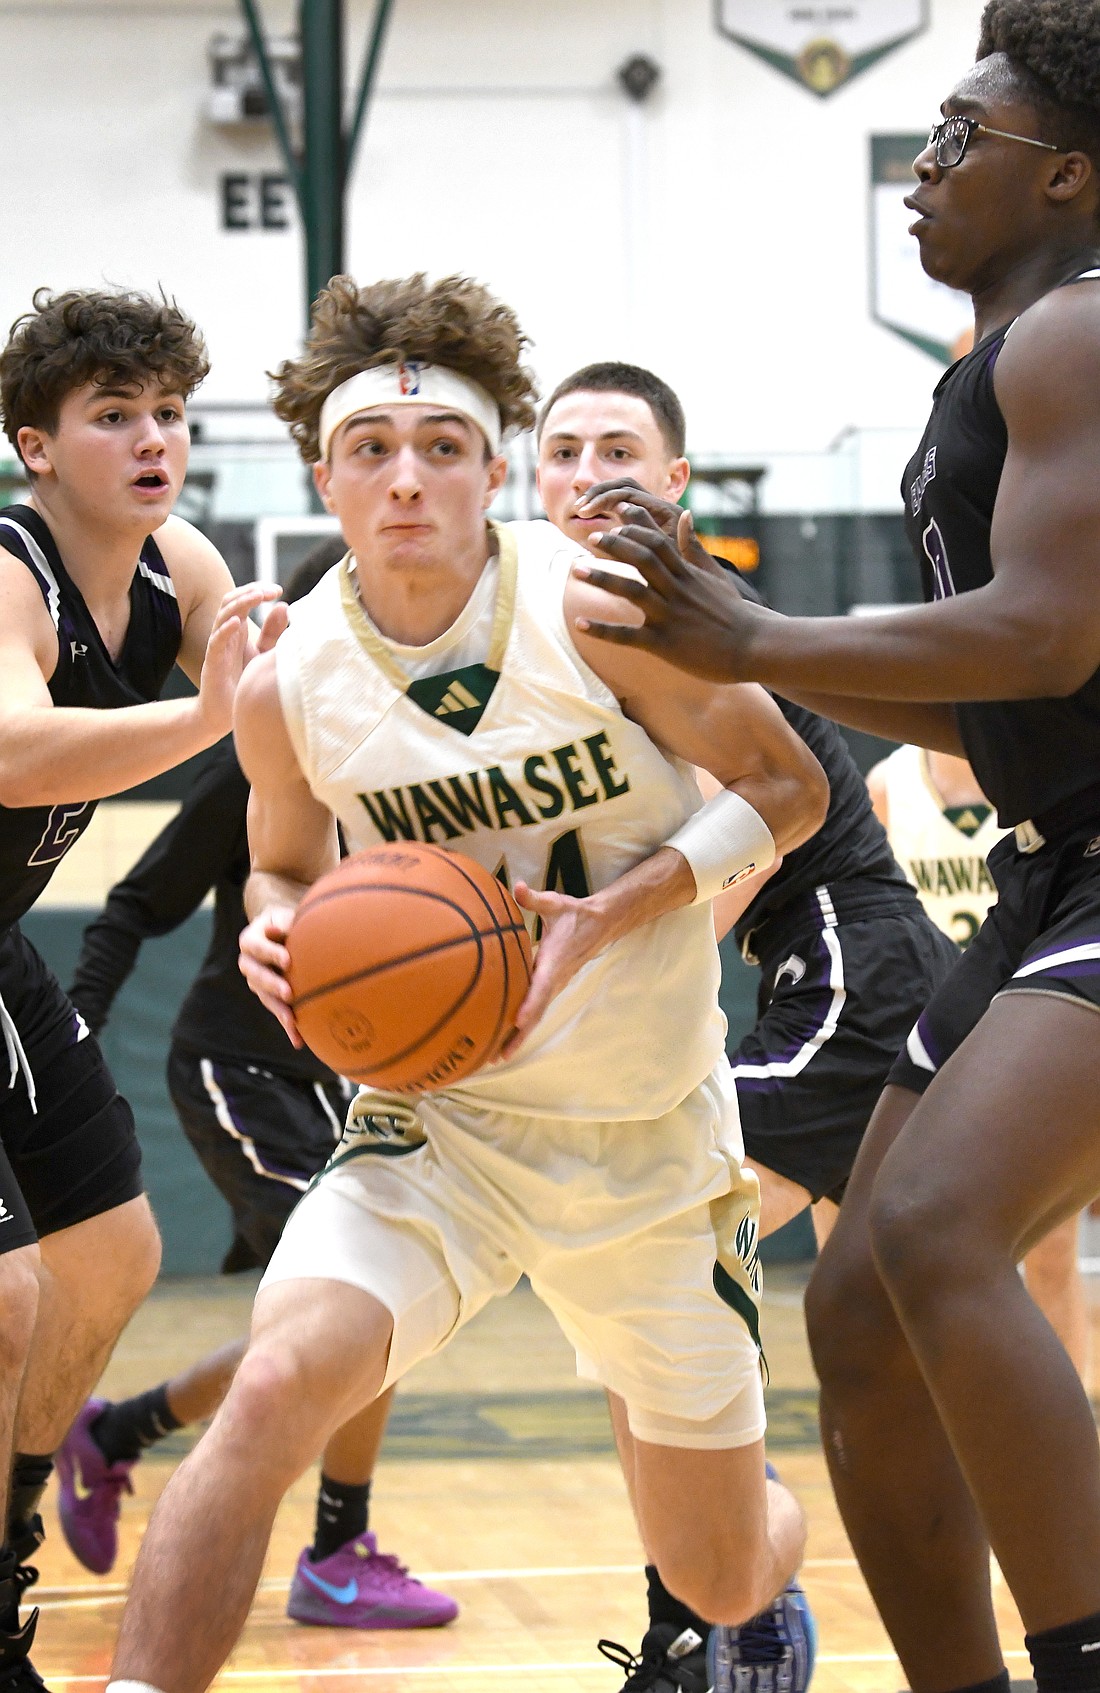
[1042, 936]
[260, 1135]
[843, 976]
[73, 1153]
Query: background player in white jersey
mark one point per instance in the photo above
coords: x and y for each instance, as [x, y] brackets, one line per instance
[94, 613]
[602, 1156]
[942, 828]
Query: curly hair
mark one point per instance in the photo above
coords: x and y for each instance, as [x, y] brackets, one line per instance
[612, 377]
[455, 322]
[114, 338]
[1053, 47]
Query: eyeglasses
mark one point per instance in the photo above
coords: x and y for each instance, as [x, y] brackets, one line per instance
[951, 138]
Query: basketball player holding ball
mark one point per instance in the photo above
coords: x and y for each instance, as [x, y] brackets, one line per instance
[262, 1119]
[575, 781]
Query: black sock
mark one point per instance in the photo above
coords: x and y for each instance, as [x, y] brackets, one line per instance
[342, 1511]
[29, 1475]
[123, 1431]
[1067, 1659]
[665, 1608]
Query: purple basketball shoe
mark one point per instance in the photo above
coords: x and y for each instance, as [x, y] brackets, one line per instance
[361, 1587]
[89, 1519]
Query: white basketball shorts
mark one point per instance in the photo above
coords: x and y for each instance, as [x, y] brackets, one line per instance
[641, 1238]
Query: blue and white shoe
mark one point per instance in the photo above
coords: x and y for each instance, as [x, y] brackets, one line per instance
[772, 1653]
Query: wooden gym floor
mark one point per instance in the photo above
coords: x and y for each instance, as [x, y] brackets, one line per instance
[498, 1485]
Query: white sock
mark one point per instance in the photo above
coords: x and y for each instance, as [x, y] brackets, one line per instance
[131, 1687]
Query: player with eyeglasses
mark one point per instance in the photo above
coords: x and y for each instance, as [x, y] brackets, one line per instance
[951, 138]
[952, 1419]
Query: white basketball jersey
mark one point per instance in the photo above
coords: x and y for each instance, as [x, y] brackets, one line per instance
[514, 752]
[942, 849]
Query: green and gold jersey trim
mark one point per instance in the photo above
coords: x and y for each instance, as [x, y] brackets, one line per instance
[459, 697]
[735, 1220]
[968, 819]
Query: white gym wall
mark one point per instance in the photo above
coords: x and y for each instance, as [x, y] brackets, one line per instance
[499, 143]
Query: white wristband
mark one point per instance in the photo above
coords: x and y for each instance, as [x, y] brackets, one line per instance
[724, 841]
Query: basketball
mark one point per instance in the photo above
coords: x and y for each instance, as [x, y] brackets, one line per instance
[407, 965]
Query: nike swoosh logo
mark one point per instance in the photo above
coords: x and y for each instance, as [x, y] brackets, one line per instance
[345, 1595]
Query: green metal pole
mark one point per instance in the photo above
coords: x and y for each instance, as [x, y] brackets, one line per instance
[370, 69]
[323, 163]
[278, 116]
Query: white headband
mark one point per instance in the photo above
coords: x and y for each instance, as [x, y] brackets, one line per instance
[410, 384]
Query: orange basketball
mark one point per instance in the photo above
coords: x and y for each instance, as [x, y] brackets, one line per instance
[407, 965]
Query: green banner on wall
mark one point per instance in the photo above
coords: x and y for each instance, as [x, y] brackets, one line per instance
[821, 45]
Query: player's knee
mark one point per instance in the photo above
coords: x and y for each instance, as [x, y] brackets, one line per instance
[911, 1236]
[278, 1387]
[267, 1393]
[107, 1264]
[134, 1256]
[849, 1323]
[145, 1252]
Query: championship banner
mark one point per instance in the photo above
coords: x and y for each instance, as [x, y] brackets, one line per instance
[821, 46]
[903, 297]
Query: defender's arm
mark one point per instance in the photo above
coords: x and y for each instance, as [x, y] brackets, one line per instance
[1032, 632]
[896, 720]
[734, 730]
[53, 754]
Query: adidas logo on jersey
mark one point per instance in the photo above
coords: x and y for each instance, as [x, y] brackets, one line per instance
[457, 698]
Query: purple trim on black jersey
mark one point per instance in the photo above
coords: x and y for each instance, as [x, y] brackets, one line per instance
[1082, 967]
[930, 1045]
[1062, 947]
[17, 540]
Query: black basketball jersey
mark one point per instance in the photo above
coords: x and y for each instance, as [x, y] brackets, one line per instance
[34, 839]
[1028, 755]
[850, 845]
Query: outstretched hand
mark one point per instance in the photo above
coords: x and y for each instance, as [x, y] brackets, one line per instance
[273, 625]
[232, 644]
[694, 616]
[614, 499]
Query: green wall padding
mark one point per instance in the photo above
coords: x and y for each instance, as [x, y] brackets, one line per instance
[194, 1219]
